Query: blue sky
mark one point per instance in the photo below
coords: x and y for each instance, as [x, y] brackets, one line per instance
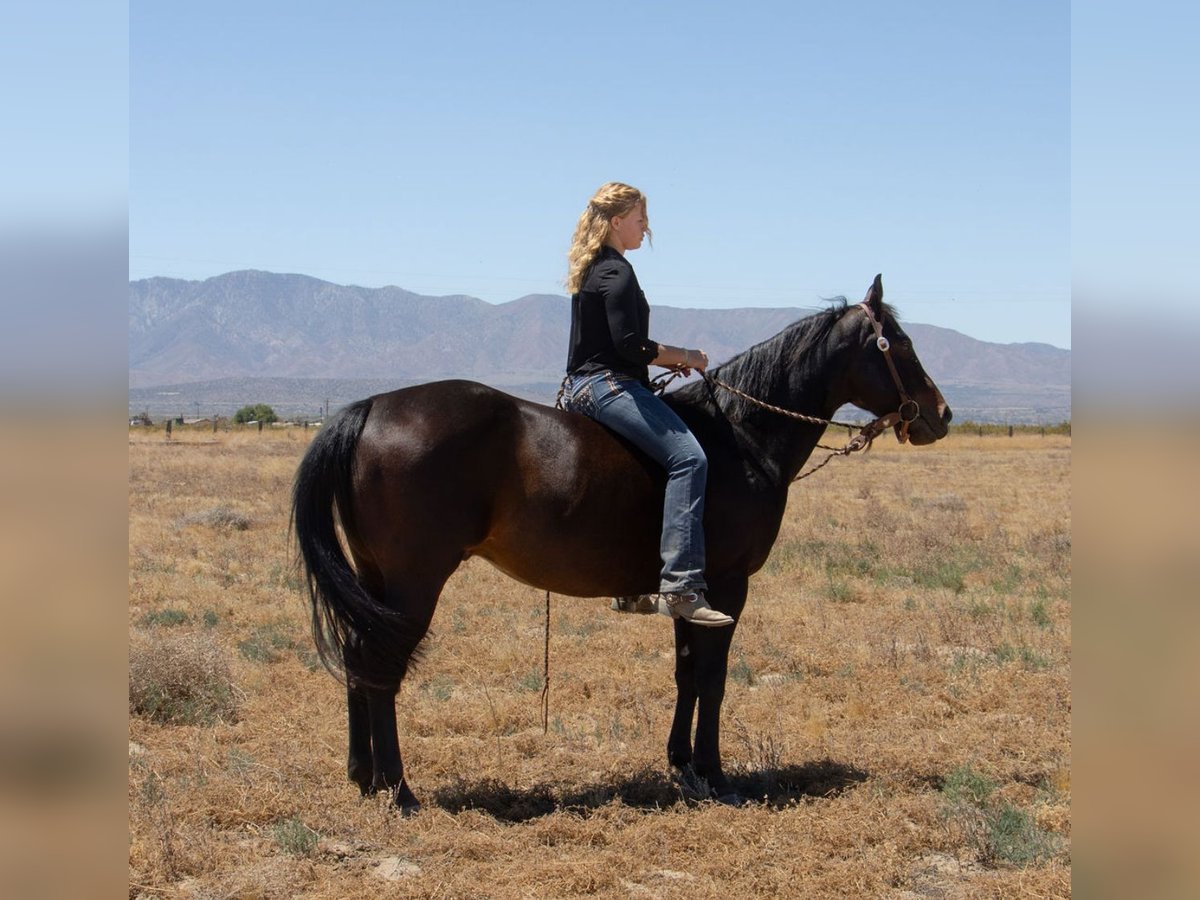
[789, 150]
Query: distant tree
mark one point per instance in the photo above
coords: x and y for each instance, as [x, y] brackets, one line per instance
[259, 412]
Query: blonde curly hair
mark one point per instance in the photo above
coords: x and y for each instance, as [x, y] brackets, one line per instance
[595, 226]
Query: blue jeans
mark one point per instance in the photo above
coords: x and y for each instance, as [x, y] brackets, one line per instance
[626, 406]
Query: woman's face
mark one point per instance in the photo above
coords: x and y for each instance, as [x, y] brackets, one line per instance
[629, 229]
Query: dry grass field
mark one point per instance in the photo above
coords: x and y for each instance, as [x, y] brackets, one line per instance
[898, 705]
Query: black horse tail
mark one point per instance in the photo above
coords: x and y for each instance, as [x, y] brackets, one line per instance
[354, 633]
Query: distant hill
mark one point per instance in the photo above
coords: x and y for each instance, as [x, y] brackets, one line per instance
[295, 342]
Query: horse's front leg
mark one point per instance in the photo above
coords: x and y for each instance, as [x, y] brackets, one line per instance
[710, 654]
[679, 744]
[709, 650]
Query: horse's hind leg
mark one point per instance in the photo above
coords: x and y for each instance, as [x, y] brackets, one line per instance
[416, 601]
[373, 761]
[359, 764]
[385, 750]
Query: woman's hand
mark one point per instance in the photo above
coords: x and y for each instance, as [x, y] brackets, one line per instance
[694, 359]
[680, 359]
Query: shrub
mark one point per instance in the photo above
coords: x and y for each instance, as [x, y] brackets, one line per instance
[266, 643]
[530, 682]
[741, 672]
[965, 785]
[180, 679]
[165, 618]
[999, 832]
[295, 838]
[1012, 836]
[221, 517]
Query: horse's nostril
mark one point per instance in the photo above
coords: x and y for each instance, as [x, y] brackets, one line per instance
[947, 415]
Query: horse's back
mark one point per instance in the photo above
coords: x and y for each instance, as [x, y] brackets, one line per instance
[467, 467]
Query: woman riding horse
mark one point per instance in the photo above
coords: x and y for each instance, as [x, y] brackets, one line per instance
[608, 380]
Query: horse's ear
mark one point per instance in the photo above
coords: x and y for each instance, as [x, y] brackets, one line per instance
[874, 298]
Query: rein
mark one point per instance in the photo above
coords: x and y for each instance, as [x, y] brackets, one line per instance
[861, 441]
[903, 416]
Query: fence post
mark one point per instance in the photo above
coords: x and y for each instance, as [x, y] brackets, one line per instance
[1010, 431]
[260, 424]
[168, 429]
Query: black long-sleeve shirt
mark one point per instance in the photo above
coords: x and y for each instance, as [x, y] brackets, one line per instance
[610, 321]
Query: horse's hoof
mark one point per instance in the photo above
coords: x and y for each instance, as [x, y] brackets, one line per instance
[406, 801]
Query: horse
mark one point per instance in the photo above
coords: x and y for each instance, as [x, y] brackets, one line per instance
[424, 477]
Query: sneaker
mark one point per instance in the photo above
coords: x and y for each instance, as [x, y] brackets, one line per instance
[692, 606]
[638, 603]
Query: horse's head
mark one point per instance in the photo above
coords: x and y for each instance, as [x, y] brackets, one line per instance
[887, 378]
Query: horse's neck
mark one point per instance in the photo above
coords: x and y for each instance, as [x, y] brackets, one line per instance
[774, 443]
[781, 443]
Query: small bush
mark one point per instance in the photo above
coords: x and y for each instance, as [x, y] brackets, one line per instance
[441, 687]
[741, 672]
[1030, 659]
[165, 618]
[530, 682]
[286, 576]
[1009, 580]
[943, 573]
[265, 644]
[180, 679]
[944, 502]
[965, 785]
[309, 659]
[1000, 833]
[1012, 836]
[295, 838]
[220, 517]
[841, 592]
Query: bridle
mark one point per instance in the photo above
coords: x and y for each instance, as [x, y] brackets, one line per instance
[906, 402]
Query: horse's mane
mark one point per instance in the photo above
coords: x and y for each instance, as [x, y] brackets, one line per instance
[800, 348]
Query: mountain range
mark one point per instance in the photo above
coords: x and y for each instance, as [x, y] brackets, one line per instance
[302, 344]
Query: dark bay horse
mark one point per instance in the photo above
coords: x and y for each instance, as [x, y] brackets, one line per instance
[424, 477]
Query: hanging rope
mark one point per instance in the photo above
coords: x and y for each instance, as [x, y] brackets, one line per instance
[546, 673]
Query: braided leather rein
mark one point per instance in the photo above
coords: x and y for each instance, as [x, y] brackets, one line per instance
[866, 433]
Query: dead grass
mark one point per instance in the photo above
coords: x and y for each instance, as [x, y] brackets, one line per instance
[912, 623]
[180, 679]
